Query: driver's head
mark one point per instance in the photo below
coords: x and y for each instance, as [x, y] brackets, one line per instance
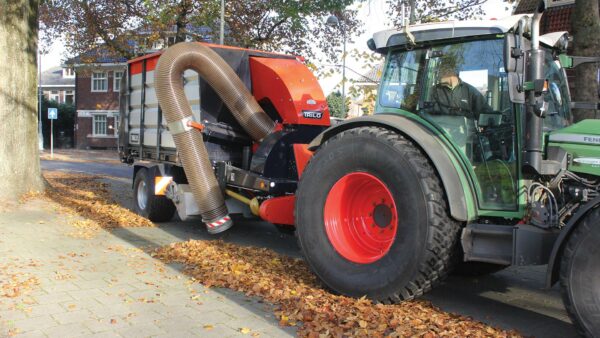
[447, 73]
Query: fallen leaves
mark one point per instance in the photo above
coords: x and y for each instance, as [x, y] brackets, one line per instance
[15, 283]
[288, 283]
[13, 332]
[58, 275]
[86, 196]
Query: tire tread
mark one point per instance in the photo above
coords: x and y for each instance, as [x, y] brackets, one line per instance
[584, 226]
[443, 230]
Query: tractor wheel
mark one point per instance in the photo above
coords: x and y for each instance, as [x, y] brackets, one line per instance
[146, 204]
[372, 217]
[580, 275]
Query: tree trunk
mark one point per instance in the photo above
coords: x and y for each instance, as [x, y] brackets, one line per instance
[412, 19]
[586, 29]
[19, 158]
[181, 21]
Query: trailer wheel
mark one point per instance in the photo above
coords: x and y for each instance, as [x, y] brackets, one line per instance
[372, 217]
[580, 275]
[146, 204]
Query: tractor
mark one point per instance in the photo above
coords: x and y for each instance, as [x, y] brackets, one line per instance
[471, 162]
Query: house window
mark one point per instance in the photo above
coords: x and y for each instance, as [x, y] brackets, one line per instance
[99, 82]
[68, 72]
[99, 125]
[117, 81]
[54, 96]
[158, 44]
[70, 96]
[117, 123]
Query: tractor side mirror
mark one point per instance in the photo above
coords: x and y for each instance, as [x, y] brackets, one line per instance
[510, 58]
[514, 64]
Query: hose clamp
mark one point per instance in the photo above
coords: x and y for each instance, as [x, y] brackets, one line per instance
[181, 126]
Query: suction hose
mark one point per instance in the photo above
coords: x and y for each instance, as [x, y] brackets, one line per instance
[168, 79]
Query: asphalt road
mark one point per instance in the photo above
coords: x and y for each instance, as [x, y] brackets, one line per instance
[116, 170]
[514, 298]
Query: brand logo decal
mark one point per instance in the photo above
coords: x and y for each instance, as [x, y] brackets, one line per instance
[594, 139]
[588, 160]
[311, 114]
[591, 139]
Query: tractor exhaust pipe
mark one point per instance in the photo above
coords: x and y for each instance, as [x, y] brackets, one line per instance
[168, 78]
[534, 120]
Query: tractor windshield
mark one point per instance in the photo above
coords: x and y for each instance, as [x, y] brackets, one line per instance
[462, 89]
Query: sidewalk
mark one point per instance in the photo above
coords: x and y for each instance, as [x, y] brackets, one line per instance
[53, 284]
[82, 155]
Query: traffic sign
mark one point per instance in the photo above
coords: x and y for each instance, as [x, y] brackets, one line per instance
[52, 113]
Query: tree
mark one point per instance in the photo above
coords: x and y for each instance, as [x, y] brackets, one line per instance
[276, 25]
[586, 29]
[84, 24]
[336, 105]
[19, 160]
[162, 16]
[434, 10]
[296, 27]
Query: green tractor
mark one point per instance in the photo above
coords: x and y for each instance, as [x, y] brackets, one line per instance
[470, 164]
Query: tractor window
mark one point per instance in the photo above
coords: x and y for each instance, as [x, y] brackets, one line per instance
[400, 81]
[465, 93]
[558, 113]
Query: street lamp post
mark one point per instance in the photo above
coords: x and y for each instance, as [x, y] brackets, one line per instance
[334, 21]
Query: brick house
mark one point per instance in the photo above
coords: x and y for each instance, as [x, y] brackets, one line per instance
[556, 18]
[97, 100]
[58, 84]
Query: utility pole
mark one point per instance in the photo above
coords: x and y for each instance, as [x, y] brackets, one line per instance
[40, 99]
[335, 22]
[344, 73]
[222, 37]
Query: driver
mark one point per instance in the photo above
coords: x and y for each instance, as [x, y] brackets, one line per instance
[452, 96]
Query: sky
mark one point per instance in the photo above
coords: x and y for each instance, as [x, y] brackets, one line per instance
[373, 15]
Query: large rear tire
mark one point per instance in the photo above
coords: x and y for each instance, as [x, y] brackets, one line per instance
[580, 275]
[372, 217]
[146, 204]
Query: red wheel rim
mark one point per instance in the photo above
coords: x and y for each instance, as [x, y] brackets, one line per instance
[361, 218]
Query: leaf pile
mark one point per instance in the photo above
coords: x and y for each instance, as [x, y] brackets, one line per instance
[86, 196]
[289, 283]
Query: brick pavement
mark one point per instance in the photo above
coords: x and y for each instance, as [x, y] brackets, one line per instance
[108, 286]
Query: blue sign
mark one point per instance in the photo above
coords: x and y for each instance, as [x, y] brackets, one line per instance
[52, 113]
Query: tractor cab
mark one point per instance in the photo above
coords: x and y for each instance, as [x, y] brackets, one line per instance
[461, 80]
